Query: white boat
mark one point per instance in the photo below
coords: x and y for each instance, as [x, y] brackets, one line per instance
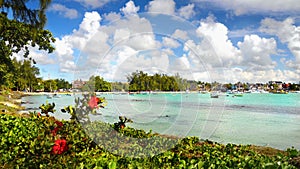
[49, 96]
[214, 95]
[255, 91]
[263, 91]
[203, 92]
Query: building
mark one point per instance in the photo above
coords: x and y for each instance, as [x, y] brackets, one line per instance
[277, 83]
[78, 84]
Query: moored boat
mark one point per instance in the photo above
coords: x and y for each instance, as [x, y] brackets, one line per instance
[214, 95]
[280, 92]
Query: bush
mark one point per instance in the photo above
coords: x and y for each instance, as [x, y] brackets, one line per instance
[28, 143]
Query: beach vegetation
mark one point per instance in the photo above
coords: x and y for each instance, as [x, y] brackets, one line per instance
[29, 143]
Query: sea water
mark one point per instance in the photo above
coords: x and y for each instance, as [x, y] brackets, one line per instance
[264, 119]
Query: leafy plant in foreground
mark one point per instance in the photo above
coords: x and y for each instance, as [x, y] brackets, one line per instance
[28, 143]
[121, 124]
[86, 106]
[46, 108]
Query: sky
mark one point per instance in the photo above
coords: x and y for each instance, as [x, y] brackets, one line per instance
[204, 40]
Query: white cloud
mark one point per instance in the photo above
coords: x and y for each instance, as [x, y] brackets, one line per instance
[187, 11]
[287, 33]
[180, 34]
[257, 52]
[261, 76]
[134, 23]
[169, 42]
[134, 32]
[64, 11]
[143, 42]
[78, 40]
[181, 64]
[99, 48]
[257, 6]
[68, 66]
[40, 57]
[95, 48]
[162, 6]
[130, 43]
[216, 42]
[91, 22]
[112, 16]
[94, 3]
[130, 8]
[63, 49]
[241, 32]
[128, 60]
[121, 35]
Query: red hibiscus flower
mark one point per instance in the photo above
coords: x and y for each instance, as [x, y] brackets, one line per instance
[93, 103]
[59, 146]
[54, 131]
[59, 124]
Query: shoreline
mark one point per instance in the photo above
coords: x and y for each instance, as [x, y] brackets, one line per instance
[10, 103]
[15, 103]
[265, 150]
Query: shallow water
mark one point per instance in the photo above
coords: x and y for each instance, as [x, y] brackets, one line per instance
[260, 119]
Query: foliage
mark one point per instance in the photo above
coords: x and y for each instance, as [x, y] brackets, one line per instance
[25, 75]
[121, 124]
[16, 35]
[22, 13]
[50, 85]
[119, 86]
[85, 106]
[28, 143]
[62, 84]
[140, 81]
[46, 108]
[96, 83]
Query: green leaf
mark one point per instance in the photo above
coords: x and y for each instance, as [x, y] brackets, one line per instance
[112, 165]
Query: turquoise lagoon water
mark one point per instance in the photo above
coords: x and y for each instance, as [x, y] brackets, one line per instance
[261, 119]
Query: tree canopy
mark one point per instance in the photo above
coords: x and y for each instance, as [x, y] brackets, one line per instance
[17, 34]
[22, 13]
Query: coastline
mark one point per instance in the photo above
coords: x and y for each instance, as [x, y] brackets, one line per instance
[15, 100]
[10, 103]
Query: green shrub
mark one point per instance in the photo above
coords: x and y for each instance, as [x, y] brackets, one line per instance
[28, 142]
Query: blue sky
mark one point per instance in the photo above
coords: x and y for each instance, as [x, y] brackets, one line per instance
[220, 40]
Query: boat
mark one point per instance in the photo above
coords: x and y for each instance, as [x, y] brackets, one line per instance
[263, 91]
[280, 92]
[214, 95]
[56, 95]
[238, 95]
[49, 96]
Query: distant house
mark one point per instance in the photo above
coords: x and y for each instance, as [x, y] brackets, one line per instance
[278, 83]
[78, 84]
